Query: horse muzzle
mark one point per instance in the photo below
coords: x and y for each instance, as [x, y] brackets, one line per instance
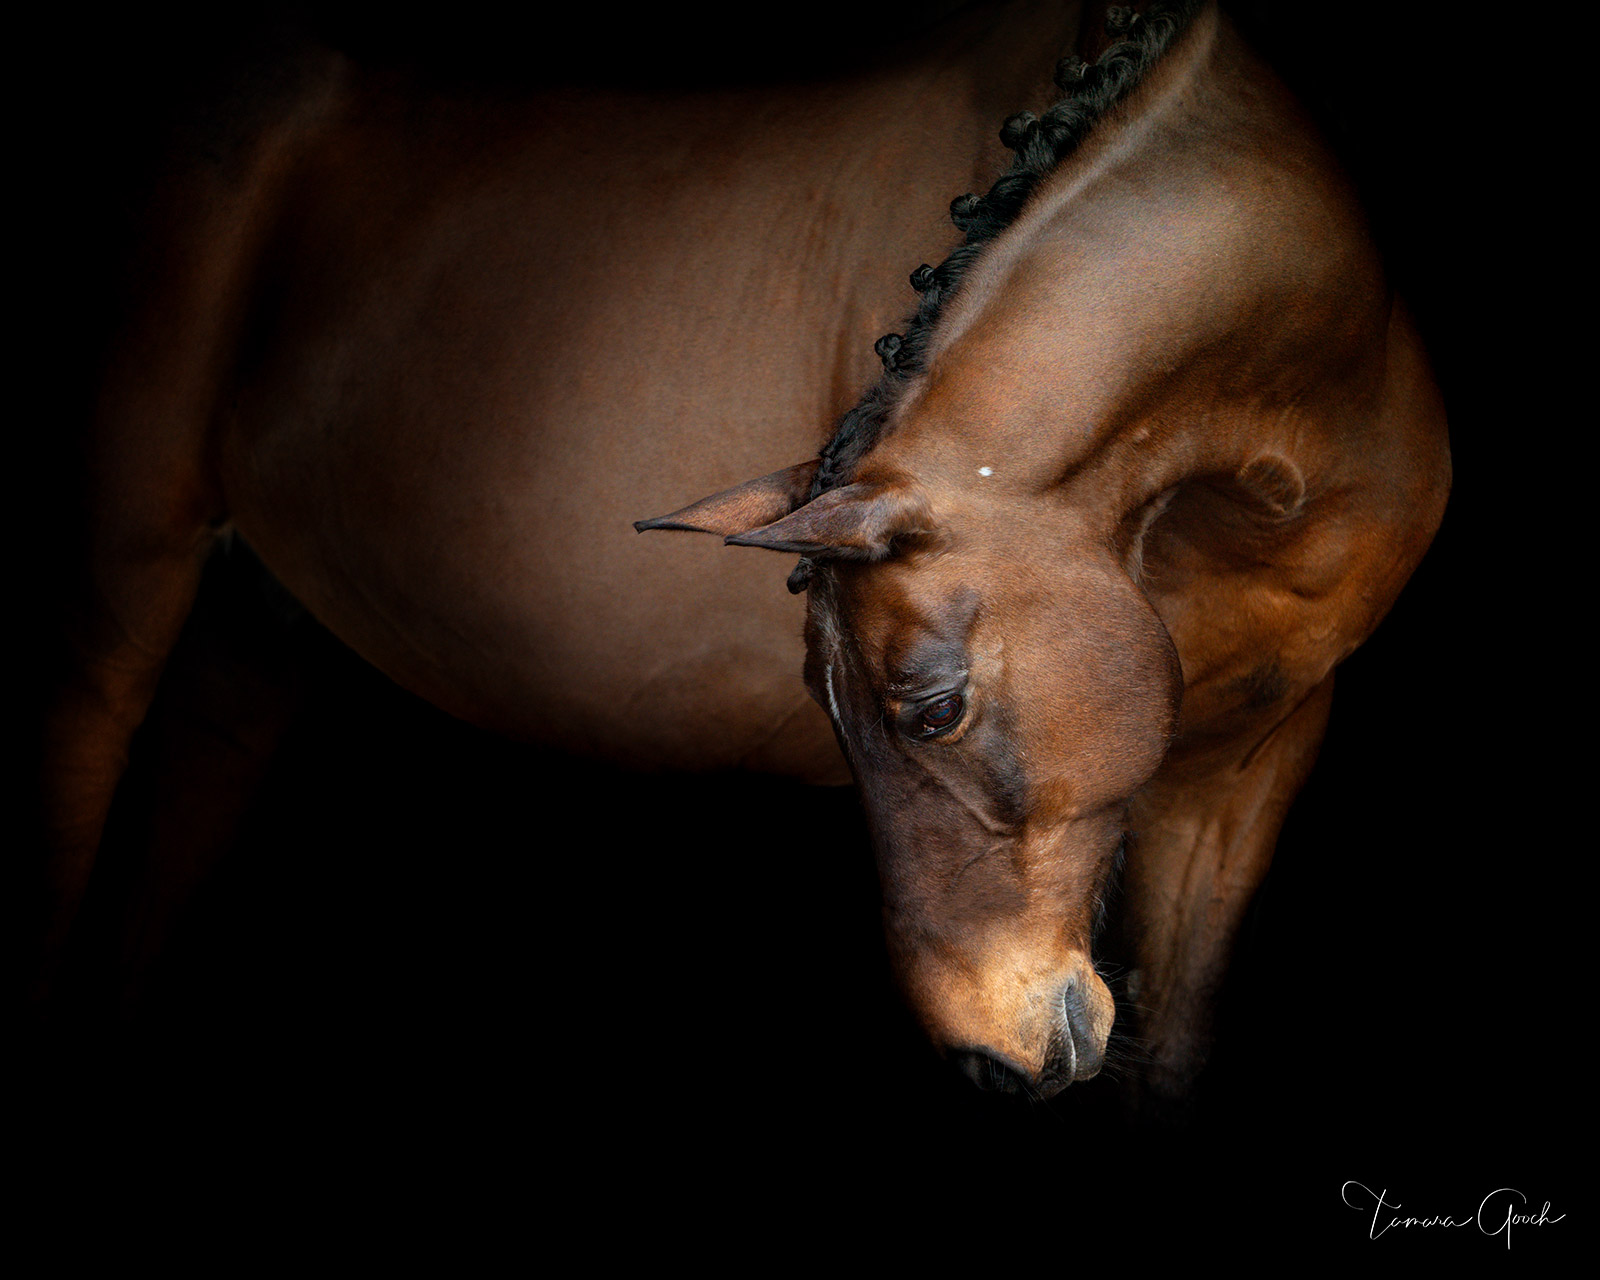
[1064, 1040]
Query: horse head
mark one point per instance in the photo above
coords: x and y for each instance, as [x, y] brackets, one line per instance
[1137, 476]
[1000, 692]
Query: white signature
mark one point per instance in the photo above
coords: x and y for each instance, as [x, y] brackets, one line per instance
[1488, 1219]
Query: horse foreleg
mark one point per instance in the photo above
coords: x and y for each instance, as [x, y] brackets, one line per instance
[146, 503]
[139, 516]
[232, 689]
[1205, 831]
[113, 643]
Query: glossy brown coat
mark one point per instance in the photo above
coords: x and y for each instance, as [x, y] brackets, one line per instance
[432, 356]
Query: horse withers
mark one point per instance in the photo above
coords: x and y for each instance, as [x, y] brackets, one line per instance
[1078, 574]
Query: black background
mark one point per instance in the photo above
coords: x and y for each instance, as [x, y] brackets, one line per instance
[451, 976]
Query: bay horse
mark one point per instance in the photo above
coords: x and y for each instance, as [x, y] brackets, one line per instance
[1157, 450]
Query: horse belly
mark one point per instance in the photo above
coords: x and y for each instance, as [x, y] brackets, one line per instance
[447, 432]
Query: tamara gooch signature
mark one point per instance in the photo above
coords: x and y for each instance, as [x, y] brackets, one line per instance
[1498, 1212]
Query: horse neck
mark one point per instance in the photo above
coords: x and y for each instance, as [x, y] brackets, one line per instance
[1193, 286]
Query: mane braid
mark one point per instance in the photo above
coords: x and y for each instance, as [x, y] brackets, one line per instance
[1040, 144]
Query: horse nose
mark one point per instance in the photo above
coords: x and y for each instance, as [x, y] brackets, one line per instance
[1078, 1048]
[1069, 1043]
[991, 1072]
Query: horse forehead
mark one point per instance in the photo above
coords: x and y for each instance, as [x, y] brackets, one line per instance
[897, 608]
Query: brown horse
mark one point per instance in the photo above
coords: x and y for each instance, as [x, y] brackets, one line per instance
[1157, 452]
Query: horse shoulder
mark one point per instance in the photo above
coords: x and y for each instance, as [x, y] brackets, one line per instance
[483, 344]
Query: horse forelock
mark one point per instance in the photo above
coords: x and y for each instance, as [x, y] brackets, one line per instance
[1040, 144]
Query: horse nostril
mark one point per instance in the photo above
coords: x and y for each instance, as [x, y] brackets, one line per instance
[989, 1072]
[1077, 1052]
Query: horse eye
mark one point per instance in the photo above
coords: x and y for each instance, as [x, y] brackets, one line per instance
[941, 715]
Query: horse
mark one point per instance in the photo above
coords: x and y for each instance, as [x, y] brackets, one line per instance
[1157, 450]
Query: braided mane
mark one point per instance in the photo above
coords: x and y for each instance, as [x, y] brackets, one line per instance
[1040, 143]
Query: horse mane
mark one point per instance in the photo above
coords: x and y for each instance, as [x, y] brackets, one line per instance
[1040, 143]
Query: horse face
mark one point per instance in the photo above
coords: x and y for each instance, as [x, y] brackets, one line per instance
[1001, 688]
[999, 702]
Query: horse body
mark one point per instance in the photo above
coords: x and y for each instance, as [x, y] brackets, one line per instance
[605, 327]
[1173, 452]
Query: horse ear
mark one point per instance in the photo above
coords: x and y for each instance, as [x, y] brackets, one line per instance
[856, 522]
[745, 506]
